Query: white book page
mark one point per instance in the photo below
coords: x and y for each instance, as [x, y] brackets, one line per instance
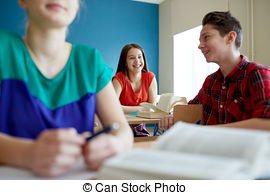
[190, 151]
[168, 100]
[164, 102]
[225, 142]
[151, 106]
[155, 164]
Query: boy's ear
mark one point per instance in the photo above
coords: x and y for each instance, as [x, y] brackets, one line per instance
[231, 37]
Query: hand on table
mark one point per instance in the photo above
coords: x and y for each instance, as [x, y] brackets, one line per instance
[100, 148]
[55, 151]
[166, 122]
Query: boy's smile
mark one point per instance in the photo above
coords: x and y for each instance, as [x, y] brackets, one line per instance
[212, 44]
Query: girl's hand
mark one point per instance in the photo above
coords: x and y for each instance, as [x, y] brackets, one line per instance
[101, 148]
[55, 151]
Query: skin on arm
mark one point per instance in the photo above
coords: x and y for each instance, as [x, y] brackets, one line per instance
[254, 123]
[152, 92]
[52, 154]
[13, 151]
[126, 109]
[118, 141]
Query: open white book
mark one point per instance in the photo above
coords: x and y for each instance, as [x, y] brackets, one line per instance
[165, 104]
[190, 151]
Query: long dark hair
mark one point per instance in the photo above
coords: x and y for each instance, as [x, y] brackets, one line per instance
[122, 67]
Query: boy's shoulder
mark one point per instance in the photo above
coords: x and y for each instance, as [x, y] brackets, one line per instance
[213, 76]
[256, 67]
[256, 72]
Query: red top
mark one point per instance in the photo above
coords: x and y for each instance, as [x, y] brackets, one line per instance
[128, 97]
[243, 94]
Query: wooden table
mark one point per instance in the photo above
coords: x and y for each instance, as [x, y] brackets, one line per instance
[144, 142]
[137, 120]
[131, 120]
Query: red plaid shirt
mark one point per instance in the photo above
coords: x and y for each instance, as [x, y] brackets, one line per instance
[243, 94]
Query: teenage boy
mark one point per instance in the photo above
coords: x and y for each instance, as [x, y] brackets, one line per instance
[238, 94]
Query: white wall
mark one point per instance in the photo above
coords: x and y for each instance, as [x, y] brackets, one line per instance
[261, 31]
[176, 16]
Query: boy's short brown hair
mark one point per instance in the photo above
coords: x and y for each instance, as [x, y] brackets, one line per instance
[224, 22]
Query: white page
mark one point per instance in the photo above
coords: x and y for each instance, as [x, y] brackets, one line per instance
[151, 106]
[165, 102]
[190, 151]
[154, 164]
[228, 142]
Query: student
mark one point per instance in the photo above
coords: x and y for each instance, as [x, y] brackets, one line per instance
[134, 84]
[238, 94]
[50, 90]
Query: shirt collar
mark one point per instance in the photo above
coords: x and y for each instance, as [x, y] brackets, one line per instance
[234, 74]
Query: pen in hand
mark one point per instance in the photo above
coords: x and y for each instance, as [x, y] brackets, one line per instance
[105, 130]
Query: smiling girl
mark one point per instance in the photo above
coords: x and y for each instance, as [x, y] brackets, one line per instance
[134, 84]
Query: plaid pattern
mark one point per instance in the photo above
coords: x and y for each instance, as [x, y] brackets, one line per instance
[243, 94]
[139, 130]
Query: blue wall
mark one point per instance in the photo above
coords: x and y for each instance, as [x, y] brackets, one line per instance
[104, 24]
